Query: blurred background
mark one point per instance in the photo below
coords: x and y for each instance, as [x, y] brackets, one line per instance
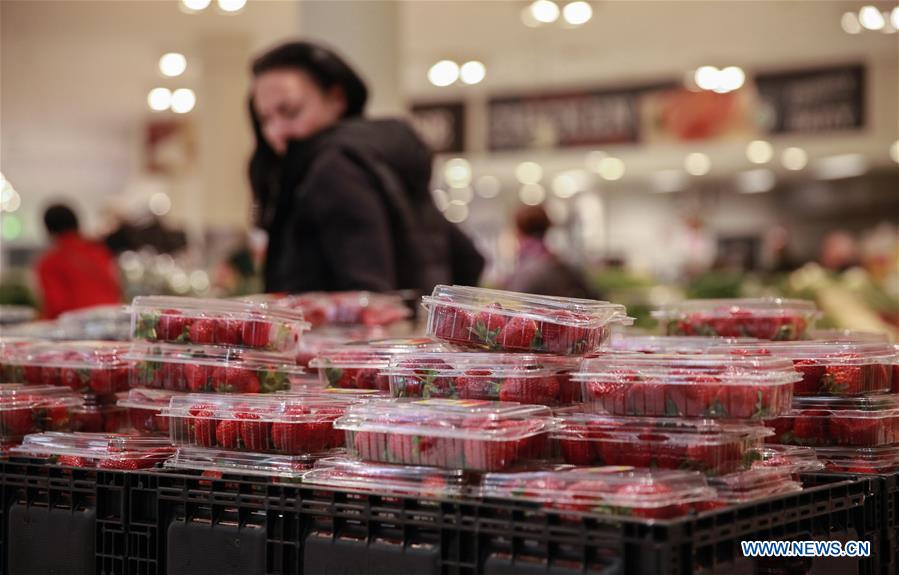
[679, 149]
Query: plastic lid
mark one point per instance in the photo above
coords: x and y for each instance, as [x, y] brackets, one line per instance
[626, 487]
[276, 408]
[454, 364]
[692, 431]
[212, 356]
[824, 352]
[92, 445]
[353, 475]
[582, 312]
[152, 399]
[465, 419]
[240, 463]
[347, 307]
[755, 483]
[866, 406]
[796, 458]
[673, 343]
[688, 369]
[210, 307]
[737, 306]
[73, 355]
[848, 335]
[375, 354]
[14, 396]
[860, 459]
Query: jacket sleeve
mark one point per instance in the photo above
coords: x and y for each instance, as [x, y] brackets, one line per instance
[353, 224]
[466, 261]
[54, 291]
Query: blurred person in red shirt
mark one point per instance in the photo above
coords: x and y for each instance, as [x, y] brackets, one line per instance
[75, 272]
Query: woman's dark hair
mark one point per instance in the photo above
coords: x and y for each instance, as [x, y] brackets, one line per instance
[60, 218]
[327, 70]
[532, 221]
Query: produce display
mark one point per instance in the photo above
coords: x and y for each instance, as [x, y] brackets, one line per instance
[97, 367]
[866, 421]
[497, 320]
[709, 446]
[642, 493]
[524, 378]
[32, 409]
[453, 434]
[407, 480]
[763, 318]
[206, 322]
[96, 450]
[281, 423]
[359, 365]
[671, 385]
[145, 408]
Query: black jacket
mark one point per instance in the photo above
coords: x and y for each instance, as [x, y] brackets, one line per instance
[352, 209]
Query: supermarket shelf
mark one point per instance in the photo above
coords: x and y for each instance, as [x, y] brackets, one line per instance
[156, 522]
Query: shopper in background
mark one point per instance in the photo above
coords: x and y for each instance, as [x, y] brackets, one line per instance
[345, 200]
[539, 270]
[75, 272]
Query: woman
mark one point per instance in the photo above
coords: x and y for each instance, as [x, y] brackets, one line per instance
[345, 200]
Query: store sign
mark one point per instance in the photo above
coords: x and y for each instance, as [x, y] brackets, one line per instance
[562, 120]
[441, 126]
[818, 100]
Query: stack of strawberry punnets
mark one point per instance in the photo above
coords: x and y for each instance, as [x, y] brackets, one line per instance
[26, 409]
[96, 450]
[96, 370]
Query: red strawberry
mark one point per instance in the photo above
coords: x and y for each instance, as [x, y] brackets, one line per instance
[721, 458]
[579, 496]
[704, 397]
[367, 379]
[203, 426]
[227, 434]
[519, 333]
[255, 333]
[249, 381]
[228, 331]
[127, 464]
[484, 455]
[610, 395]
[842, 379]
[477, 384]
[535, 390]
[560, 337]
[487, 325]
[812, 373]
[226, 379]
[196, 376]
[172, 375]
[144, 421]
[875, 377]
[32, 374]
[643, 492]
[861, 431]
[72, 461]
[202, 330]
[15, 423]
[74, 379]
[88, 419]
[101, 381]
[452, 323]
[254, 434]
[783, 429]
[810, 427]
[578, 451]
[171, 326]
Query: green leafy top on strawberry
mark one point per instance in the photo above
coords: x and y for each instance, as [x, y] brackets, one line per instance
[146, 326]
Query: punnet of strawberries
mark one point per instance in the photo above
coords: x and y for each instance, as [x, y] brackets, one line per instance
[639, 493]
[864, 421]
[204, 370]
[97, 367]
[753, 484]
[716, 386]
[402, 480]
[497, 320]
[96, 450]
[540, 379]
[708, 446]
[32, 409]
[318, 340]
[284, 423]
[145, 409]
[342, 308]
[359, 365]
[455, 434]
[215, 463]
[97, 417]
[833, 367]
[211, 322]
[864, 460]
[763, 318]
[797, 458]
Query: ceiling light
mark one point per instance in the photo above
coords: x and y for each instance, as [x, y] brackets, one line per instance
[443, 73]
[456, 212]
[871, 18]
[850, 24]
[487, 186]
[529, 173]
[706, 77]
[730, 79]
[231, 5]
[593, 159]
[532, 194]
[196, 5]
[759, 152]
[794, 158]
[183, 100]
[894, 17]
[159, 99]
[472, 72]
[894, 151]
[841, 166]
[545, 11]
[457, 173]
[172, 64]
[464, 195]
[697, 164]
[756, 181]
[667, 181]
[611, 169]
[577, 13]
[160, 204]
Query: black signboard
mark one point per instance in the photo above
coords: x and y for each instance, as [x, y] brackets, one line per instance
[819, 100]
[441, 126]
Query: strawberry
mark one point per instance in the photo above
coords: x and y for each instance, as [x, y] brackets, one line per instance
[704, 396]
[579, 496]
[55, 417]
[876, 377]
[227, 434]
[341, 378]
[145, 421]
[610, 395]
[255, 333]
[721, 458]
[51, 375]
[202, 331]
[812, 374]
[226, 379]
[254, 434]
[519, 333]
[860, 431]
[171, 326]
[810, 427]
[367, 379]
[578, 451]
[535, 390]
[228, 332]
[88, 419]
[113, 420]
[16, 423]
[560, 337]
[452, 323]
[842, 379]
[72, 461]
[196, 376]
[249, 381]
[487, 455]
[32, 374]
[203, 426]
[640, 491]
[477, 384]
[487, 325]
[126, 464]
[101, 381]
[751, 401]
[783, 429]
[370, 446]
[172, 375]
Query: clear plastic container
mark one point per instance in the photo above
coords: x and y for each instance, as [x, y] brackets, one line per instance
[497, 320]
[848, 335]
[673, 343]
[212, 370]
[358, 365]
[705, 445]
[318, 340]
[866, 421]
[540, 379]
[282, 423]
[708, 385]
[834, 368]
[107, 322]
[378, 478]
[344, 308]
[95, 417]
[32, 409]
[643, 493]
[762, 318]
[219, 462]
[145, 408]
[797, 458]
[96, 450]
[754, 484]
[10, 349]
[97, 367]
[216, 322]
[453, 434]
[867, 460]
